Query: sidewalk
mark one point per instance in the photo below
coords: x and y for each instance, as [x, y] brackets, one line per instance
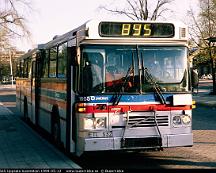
[21, 147]
[203, 97]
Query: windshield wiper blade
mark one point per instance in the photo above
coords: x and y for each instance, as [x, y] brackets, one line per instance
[123, 85]
[147, 76]
[155, 85]
[125, 81]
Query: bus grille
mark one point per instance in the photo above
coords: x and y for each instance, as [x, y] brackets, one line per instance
[147, 120]
[141, 142]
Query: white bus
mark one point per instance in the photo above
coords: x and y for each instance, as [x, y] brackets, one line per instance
[110, 85]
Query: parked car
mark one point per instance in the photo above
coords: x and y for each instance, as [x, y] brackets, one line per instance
[208, 76]
[7, 80]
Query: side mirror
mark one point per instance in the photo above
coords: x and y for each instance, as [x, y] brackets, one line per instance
[194, 78]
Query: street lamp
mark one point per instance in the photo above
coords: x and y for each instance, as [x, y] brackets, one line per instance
[8, 48]
[212, 40]
[11, 67]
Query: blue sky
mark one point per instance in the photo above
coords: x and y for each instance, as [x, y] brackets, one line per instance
[56, 17]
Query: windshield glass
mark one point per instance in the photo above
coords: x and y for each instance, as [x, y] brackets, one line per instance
[114, 68]
[166, 64]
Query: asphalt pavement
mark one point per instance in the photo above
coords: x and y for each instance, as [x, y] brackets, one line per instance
[203, 95]
[21, 147]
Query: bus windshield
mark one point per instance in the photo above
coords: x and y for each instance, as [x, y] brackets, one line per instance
[114, 68]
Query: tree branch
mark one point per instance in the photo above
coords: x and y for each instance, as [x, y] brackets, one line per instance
[138, 9]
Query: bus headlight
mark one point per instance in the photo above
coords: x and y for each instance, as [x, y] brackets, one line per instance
[177, 120]
[88, 123]
[186, 119]
[100, 123]
[95, 123]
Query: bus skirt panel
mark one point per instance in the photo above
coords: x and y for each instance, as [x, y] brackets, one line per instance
[116, 143]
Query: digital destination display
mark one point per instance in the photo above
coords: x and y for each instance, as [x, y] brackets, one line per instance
[146, 30]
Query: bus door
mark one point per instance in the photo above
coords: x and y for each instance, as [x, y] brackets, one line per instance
[37, 88]
[32, 116]
[71, 85]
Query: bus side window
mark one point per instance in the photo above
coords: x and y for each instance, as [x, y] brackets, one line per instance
[62, 60]
[17, 70]
[44, 65]
[52, 62]
[21, 69]
[72, 56]
[29, 68]
[33, 68]
[26, 70]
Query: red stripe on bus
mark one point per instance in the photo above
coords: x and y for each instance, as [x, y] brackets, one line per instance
[138, 108]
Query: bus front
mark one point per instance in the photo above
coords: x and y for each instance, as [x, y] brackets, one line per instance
[134, 89]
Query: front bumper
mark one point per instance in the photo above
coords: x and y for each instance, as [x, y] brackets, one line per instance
[115, 143]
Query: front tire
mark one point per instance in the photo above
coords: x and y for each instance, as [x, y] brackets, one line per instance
[56, 132]
[25, 114]
[55, 127]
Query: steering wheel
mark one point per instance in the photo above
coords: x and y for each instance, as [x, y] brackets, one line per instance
[166, 74]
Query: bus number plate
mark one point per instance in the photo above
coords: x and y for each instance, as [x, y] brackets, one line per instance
[107, 134]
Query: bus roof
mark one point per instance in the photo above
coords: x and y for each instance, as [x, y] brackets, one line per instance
[97, 30]
[91, 30]
[28, 54]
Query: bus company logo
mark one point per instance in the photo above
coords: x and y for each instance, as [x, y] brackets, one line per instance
[93, 98]
[101, 98]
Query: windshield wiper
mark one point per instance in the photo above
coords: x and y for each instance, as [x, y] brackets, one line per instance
[147, 76]
[155, 85]
[126, 79]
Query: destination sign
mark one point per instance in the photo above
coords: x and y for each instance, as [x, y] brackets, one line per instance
[148, 30]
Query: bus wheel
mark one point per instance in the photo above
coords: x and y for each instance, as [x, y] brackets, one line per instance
[56, 132]
[56, 135]
[25, 115]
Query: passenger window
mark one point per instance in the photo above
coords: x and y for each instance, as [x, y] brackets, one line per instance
[21, 69]
[18, 70]
[27, 67]
[52, 62]
[33, 68]
[45, 61]
[62, 60]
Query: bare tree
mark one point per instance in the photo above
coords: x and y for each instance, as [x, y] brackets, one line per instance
[12, 21]
[140, 9]
[203, 25]
[202, 29]
[12, 26]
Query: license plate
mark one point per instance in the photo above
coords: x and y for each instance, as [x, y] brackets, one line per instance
[107, 134]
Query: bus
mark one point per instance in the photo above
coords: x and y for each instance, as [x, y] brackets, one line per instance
[110, 85]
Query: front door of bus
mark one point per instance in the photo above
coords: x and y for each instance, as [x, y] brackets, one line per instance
[32, 116]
